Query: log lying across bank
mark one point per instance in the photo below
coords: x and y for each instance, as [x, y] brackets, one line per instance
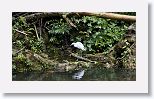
[64, 66]
[110, 16]
[114, 16]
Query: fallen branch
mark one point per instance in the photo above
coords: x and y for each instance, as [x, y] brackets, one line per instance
[69, 22]
[60, 67]
[14, 52]
[36, 32]
[110, 16]
[40, 27]
[44, 60]
[81, 58]
[100, 14]
[20, 32]
[33, 17]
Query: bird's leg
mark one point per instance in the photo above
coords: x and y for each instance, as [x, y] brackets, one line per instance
[81, 53]
[78, 54]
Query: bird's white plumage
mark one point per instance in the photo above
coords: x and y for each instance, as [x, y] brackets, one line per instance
[79, 45]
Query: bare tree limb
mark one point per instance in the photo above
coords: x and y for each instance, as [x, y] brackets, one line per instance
[99, 14]
[33, 17]
[14, 52]
[40, 27]
[36, 32]
[22, 32]
[69, 22]
[81, 58]
[110, 16]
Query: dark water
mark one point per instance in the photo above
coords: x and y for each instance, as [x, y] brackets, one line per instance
[90, 74]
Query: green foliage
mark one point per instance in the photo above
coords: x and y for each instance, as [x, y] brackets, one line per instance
[101, 34]
[36, 45]
[57, 30]
[29, 41]
[20, 23]
[58, 27]
[20, 57]
[20, 43]
[97, 34]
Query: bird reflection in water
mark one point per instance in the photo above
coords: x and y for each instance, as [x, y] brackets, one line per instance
[79, 74]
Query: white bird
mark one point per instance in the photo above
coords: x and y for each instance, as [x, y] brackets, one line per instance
[78, 45]
[79, 74]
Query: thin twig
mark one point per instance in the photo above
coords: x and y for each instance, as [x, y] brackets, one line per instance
[36, 31]
[22, 32]
[20, 50]
[40, 28]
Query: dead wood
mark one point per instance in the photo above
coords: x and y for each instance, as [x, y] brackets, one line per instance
[100, 14]
[81, 58]
[69, 22]
[110, 16]
[22, 32]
